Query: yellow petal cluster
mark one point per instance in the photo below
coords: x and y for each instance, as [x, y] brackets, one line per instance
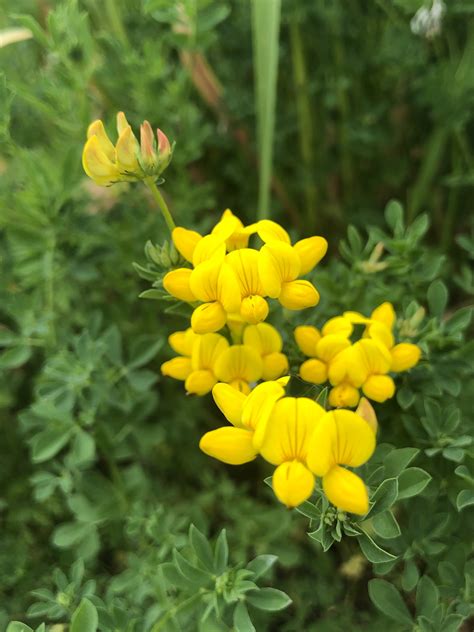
[354, 366]
[230, 282]
[300, 438]
[127, 160]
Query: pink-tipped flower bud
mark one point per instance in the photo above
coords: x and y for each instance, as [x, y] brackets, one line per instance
[147, 146]
[164, 150]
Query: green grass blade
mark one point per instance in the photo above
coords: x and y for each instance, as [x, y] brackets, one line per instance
[265, 27]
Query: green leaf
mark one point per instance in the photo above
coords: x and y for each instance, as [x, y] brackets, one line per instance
[437, 298]
[189, 571]
[388, 600]
[405, 397]
[83, 449]
[464, 499]
[174, 578]
[386, 526]
[141, 381]
[460, 320]
[397, 460]
[201, 548]
[242, 621]
[261, 564]
[15, 357]
[143, 350]
[85, 618]
[412, 482]
[394, 216]
[427, 596]
[151, 294]
[70, 534]
[410, 576]
[270, 599]
[384, 496]
[372, 551]
[16, 626]
[48, 443]
[221, 553]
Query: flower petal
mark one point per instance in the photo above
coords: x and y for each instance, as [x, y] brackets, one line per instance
[384, 314]
[208, 318]
[344, 395]
[178, 368]
[269, 231]
[307, 337]
[207, 350]
[278, 263]
[177, 283]
[338, 325]
[314, 371]
[341, 438]
[185, 242]
[230, 445]
[274, 366]
[126, 151]
[97, 164]
[290, 428]
[404, 356]
[254, 309]
[381, 333]
[244, 262]
[230, 402]
[182, 341]
[263, 337]
[97, 129]
[239, 362]
[367, 412]
[228, 292]
[292, 483]
[379, 388]
[310, 251]
[258, 408]
[330, 346]
[298, 294]
[200, 382]
[210, 247]
[346, 490]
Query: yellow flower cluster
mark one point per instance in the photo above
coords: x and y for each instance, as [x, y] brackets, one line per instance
[229, 283]
[300, 438]
[350, 366]
[127, 160]
[206, 359]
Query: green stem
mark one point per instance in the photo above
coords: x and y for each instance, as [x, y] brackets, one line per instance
[159, 199]
[305, 121]
[173, 611]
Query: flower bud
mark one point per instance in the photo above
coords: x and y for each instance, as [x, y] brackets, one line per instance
[164, 150]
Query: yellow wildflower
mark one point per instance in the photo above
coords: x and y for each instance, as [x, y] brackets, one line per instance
[286, 444]
[279, 269]
[248, 415]
[244, 262]
[326, 349]
[310, 251]
[267, 341]
[180, 367]
[342, 438]
[239, 366]
[206, 352]
[127, 160]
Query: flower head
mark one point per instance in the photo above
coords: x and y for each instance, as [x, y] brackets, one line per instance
[267, 341]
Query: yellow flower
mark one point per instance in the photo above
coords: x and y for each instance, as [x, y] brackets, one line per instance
[287, 440]
[374, 360]
[229, 229]
[279, 268]
[326, 350]
[310, 251]
[249, 417]
[207, 349]
[244, 262]
[266, 340]
[239, 366]
[127, 160]
[379, 326]
[215, 284]
[180, 367]
[342, 438]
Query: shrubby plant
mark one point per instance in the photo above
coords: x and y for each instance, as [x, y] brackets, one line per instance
[112, 517]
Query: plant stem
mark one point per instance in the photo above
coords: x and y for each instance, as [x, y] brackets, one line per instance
[159, 199]
[305, 121]
[159, 625]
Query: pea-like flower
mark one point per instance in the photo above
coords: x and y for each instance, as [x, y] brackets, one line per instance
[240, 366]
[207, 349]
[180, 367]
[267, 341]
[248, 414]
[244, 262]
[128, 160]
[292, 423]
[279, 268]
[342, 438]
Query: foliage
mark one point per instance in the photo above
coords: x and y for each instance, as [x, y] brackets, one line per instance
[101, 474]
